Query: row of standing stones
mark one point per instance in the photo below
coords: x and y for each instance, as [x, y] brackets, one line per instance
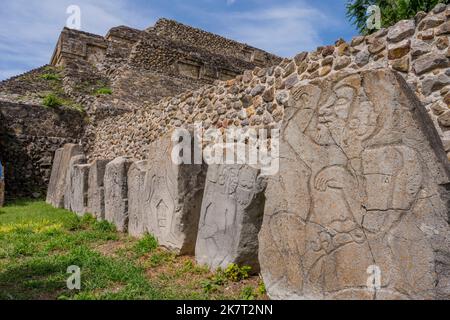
[363, 184]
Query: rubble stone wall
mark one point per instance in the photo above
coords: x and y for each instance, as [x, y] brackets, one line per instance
[28, 139]
[418, 49]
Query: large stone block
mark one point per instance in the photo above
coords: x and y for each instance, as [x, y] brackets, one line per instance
[96, 190]
[72, 179]
[116, 192]
[79, 188]
[231, 217]
[57, 184]
[360, 206]
[173, 198]
[137, 224]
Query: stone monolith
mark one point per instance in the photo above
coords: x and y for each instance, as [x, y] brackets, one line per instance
[79, 196]
[72, 180]
[231, 217]
[137, 224]
[360, 207]
[57, 183]
[96, 189]
[173, 198]
[116, 192]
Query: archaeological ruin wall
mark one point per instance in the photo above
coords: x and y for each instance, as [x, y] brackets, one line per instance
[363, 181]
[417, 49]
[29, 137]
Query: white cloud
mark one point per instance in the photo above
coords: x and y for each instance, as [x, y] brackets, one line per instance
[29, 30]
[281, 29]
[230, 2]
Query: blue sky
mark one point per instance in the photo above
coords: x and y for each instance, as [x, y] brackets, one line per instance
[29, 29]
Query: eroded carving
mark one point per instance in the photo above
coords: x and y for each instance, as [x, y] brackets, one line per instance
[172, 198]
[231, 217]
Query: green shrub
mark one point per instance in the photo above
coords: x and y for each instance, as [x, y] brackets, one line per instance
[103, 91]
[262, 288]
[52, 101]
[235, 273]
[50, 76]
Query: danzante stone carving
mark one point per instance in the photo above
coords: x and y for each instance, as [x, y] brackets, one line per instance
[360, 185]
[116, 192]
[231, 217]
[172, 198]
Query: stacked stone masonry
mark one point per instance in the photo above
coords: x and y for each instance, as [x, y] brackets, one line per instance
[418, 49]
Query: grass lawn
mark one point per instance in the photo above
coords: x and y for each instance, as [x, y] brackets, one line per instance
[38, 243]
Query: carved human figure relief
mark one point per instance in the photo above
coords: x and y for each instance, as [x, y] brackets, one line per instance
[172, 198]
[351, 185]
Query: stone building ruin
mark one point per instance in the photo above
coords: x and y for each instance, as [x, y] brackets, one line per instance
[364, 175]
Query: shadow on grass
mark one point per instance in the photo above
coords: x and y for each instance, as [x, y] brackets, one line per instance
[43, 280]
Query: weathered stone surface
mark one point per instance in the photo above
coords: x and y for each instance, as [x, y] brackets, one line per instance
[443, 29]
[430, 62]
[231, 217]
[434, 83]
[401, 64]
[401, 30]
[342, 62]
[51, 190]
[56, 187]
[137, 224]
[362, 58]
[430, 22]
[116, 192]
[173, 198]
[361, 186]
[80, 189]
[96, 189]
[70, 187]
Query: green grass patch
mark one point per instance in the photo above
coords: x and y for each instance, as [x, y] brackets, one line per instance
[52, 101]
[103, 91]
[50, 76]
[38, 243]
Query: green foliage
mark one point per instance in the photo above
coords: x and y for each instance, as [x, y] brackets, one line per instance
[262, 288]
[50, 76]
[235, 273]
[392, 11]
[104, 90]
[145, 245]
[248, 293]
[52, 101]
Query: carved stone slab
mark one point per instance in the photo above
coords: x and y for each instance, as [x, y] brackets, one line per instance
[359, 209]
[173, 198]
[116, 192]
[137, 224]
[80, 188]
[72, 180]
[96, 190]
[56, 187]
[231, 217]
